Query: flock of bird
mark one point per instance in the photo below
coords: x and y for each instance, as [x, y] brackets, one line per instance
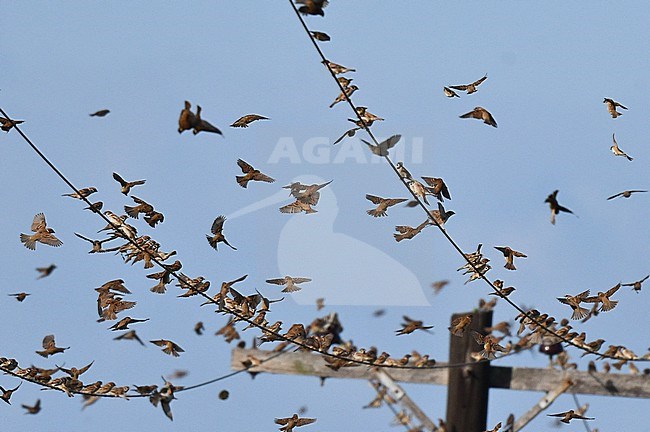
[322, 335]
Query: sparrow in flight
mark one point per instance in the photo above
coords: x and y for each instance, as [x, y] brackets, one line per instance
[470, 88]
[611, 107]
[510, 254]
[382, 204]
[382, 148]
[49, 347]
[168, 347]
[217, 230]
[617, 151]
[625, 194]
[567, 416]
[290, 282]
[126, 186]
[250, 174]
[555, 207]
[100, 113]
[481, 113]
[449, 92]
[244, 121]
[42, 234]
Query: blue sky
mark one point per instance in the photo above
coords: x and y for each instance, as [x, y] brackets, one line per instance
[549, 67]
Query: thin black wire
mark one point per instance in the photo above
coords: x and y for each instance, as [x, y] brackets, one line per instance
[421, 204]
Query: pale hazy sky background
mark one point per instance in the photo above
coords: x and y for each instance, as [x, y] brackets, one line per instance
[549, 67]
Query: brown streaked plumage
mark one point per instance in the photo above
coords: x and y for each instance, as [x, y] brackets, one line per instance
[168, 347]
[250, 174]
[555, 206]
[337, 68]
[6, 124]
[626, 194]
[296, 207]
[574, 302]
[470, 88]
[406, 232]
[490, 345]
[437, 187]
[82, 193]
[42, 234]
[460, 324]
[100, 113]
[603, 299]
[342, 96]
[217, 230]
[481, 113]
[510, 254]
[244, 121]
[288, 423]
[382, 204]
[290, 282]
[320, 36]
[49, 347]
[127, 185]
[611, 107]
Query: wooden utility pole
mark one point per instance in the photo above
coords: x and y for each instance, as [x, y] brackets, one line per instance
[468, 386]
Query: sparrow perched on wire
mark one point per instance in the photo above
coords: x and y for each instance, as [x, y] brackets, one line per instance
[555, 207]
[337, 68]
[294, 421]
[49, 347]
[217, 230]
[201, 125]
[567, 416]
[312, 7]
[42, 234]
[481, 113]
[126, 185]
[418, 190]
[382, 148]
[250, 174]
[617, 151]
[290, 282]
[82, 193]
[510, 254]
[470, 88]
[6, 124]
[342, 96]
[402, 171]
[320, 36]
[382, 204]
[168, 347]
[100, 113]
[611, 107]
[625, 194]
[244, 121]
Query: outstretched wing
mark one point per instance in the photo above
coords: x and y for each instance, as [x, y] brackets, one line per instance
[245, 167]
[217, 225]
[38, 222]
